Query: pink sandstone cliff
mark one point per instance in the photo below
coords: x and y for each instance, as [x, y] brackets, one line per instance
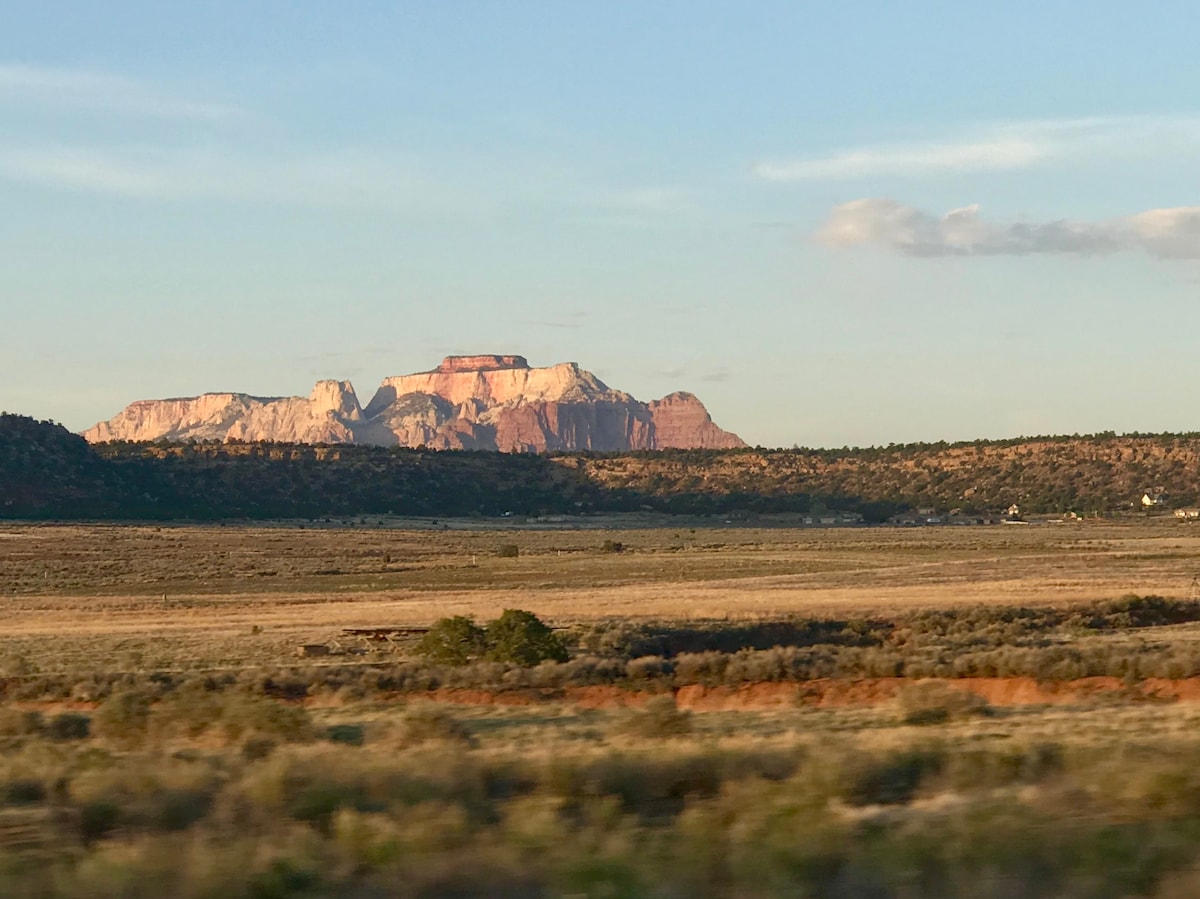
[467, 402]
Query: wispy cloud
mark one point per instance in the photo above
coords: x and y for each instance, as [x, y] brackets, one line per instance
[83, 170]
[998, 147]
[103, 91]
[702, 373]
[346, 179]
[632, 207]
[363, 179]
[1163, 233]
[153, 157]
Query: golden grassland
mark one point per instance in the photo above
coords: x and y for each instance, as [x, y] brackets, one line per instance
[235, 594]
[194, 754]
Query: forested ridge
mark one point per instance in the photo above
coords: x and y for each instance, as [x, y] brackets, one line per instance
[1083, 474]
[48, 472]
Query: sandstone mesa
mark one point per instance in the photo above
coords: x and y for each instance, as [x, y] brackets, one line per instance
[468, 402]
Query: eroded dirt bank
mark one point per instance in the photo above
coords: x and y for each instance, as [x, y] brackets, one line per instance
[834, 693]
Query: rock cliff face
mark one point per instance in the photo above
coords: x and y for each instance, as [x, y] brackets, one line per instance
[467, 402]
[681, 421]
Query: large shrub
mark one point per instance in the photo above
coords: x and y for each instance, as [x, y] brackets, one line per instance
[454, 641]
[517, 637]
[522, 638]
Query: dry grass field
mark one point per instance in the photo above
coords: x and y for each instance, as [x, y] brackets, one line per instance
[176, 595]
[160, 735]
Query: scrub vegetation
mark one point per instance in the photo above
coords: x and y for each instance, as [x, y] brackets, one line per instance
[203, 793]
[404, 711]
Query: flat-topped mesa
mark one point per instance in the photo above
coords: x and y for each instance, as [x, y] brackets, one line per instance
[481, 363]
[496, 386]
[485, 402]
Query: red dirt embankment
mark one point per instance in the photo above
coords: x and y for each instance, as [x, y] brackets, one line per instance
[832, 693]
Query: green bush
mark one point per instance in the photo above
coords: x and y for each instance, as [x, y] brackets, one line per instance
[508, 551]
[124, 717]
[282, 878]
[349, 734]
[195, 709]
[256, 748]
[454, 641]
[428, 722]
[97, 819]
[933, 702]
[612, 546]
[179, 809]
[661, 718]
[649, 668]
[189, 710]
[24, 792]
[889, 780]
[245, 714]
[69, 726]
[18, 723]
[522, 638]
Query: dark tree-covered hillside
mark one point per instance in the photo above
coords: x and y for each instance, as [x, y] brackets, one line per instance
[47, 472]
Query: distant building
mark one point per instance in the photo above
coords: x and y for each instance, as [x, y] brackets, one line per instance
[1187, 514]
[1013, 511]
[832, 518]
[1150, 499]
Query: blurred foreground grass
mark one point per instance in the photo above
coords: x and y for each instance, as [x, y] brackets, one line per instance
[226, 793]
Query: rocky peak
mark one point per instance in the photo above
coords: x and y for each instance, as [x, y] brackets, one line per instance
[682, 422]
[337, 397]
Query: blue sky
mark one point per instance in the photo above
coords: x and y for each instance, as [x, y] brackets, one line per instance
[837, 223]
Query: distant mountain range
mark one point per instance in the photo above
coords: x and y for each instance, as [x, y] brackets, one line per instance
[485, 402]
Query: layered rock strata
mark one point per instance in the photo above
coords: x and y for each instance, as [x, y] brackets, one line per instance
[467, 402]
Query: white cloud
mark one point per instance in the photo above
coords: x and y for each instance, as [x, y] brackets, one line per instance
[104, 92]
[1169, 233]
[1164, 233]
[1002, 147]
[911, 159]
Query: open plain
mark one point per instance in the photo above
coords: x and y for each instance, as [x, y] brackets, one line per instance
[748, 709]
[249, 594]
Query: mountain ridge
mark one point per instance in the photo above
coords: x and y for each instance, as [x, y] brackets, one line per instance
[496, 402]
